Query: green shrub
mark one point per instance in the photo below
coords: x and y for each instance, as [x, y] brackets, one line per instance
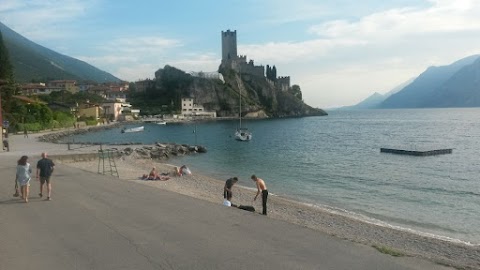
[91, 122]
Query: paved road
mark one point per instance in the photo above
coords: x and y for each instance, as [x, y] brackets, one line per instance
[99, 222]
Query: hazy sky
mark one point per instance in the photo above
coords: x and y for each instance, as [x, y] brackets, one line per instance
[339, 52]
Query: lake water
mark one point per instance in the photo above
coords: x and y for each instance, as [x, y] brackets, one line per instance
[335, 162]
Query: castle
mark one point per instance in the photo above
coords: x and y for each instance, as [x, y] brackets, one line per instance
[231, 60]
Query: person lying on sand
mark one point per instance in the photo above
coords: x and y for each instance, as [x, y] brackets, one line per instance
[153, 175]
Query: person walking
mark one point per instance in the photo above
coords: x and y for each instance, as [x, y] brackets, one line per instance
[227, 191]
[261, 187]
[23, 177]
[45, 168]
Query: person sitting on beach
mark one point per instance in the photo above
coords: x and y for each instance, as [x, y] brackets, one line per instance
[153, 174]
[184, 170]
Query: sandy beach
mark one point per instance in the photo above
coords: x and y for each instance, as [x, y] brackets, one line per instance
[391, 240]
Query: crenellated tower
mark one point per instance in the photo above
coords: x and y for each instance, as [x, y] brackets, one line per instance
[229, 46]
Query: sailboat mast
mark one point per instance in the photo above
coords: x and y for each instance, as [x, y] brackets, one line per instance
[240, 92]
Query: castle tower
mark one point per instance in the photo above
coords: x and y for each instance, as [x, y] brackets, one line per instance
[229, 45]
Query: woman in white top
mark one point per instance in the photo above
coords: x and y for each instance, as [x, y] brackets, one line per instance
[23, 176]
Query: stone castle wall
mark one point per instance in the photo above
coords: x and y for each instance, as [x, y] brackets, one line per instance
[230, 59]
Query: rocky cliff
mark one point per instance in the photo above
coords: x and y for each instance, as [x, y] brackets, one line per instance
[260, 98]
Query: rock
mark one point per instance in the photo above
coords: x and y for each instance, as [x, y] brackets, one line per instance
[201, 149]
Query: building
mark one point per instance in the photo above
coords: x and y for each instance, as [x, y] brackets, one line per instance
[69, 85]
[190, 109]
[231, 60]
[112, 110]
[90, 110]
[208, 75]
[32, 89]
[141, 86]
[119, 96]
[100, 90]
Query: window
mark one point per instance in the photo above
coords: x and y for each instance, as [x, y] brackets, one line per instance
[189, 110]
[184, 110]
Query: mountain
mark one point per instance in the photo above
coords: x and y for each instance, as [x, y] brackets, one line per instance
[35, 62]
[374, 100]
[259, 96]
[419, 93]
[370, 102]
[461, 90]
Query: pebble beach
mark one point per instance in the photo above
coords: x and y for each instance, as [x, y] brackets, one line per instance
[391, 240]
[387, 239]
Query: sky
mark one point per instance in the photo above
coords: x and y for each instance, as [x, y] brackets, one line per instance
[338, 51]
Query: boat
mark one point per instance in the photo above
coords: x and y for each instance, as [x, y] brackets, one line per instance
[241, 134]
[135, 129]
[161, 123]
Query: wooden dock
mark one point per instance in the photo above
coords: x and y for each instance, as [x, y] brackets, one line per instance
[416, 153]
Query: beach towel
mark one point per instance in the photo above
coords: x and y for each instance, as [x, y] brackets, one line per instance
[247, 208]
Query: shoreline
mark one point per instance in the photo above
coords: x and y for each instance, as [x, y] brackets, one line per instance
[332, 222]
[203, 187]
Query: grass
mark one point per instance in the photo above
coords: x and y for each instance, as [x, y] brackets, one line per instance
[389, 251]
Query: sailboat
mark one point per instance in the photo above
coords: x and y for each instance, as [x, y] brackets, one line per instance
[241, 134]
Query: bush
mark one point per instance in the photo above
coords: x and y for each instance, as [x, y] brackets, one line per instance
[30, 127]
[91, 122]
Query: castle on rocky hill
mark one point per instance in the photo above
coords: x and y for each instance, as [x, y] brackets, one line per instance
[231, 60]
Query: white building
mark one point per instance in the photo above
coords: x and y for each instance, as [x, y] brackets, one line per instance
[190, 109]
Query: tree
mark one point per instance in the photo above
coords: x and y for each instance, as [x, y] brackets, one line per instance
[132, 87]
[295, 91]
[7, 83]
[274, 73]
[6, 69]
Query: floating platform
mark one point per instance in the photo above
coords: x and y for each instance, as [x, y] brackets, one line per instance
[415, 152]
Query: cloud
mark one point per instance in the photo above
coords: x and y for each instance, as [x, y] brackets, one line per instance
[443, 17]
[141, 45]
[132, 67]
[33, 17]
[349, 59]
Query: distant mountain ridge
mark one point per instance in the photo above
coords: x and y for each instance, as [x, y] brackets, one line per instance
[454, 85]
[374, 100]
[35, 62]
[419, 93]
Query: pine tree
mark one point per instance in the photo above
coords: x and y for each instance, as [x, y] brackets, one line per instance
[274, 73]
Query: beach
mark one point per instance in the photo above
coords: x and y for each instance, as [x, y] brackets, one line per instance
[388, 240]
[333, 223]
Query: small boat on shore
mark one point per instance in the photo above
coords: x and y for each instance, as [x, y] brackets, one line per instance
[161, 123]
[135, 129]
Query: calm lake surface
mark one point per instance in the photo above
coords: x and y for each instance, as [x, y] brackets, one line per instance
[334, 162]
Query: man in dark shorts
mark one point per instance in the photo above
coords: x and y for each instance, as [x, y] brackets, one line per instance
[227, 189]
[45, 168]
[261, 188]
